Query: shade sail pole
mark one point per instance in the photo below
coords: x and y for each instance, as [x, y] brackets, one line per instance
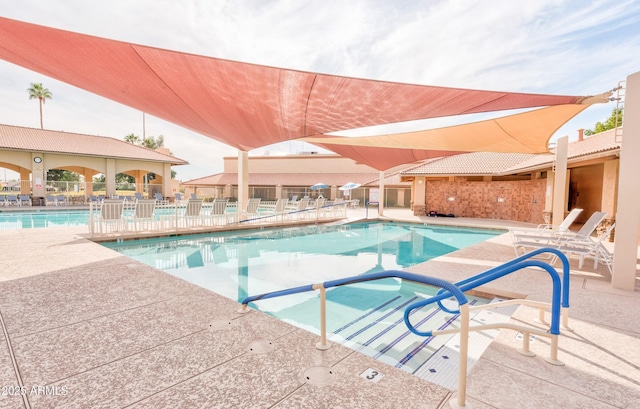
[382, 195]
[628, 214]
[243, 181]
[560, 182]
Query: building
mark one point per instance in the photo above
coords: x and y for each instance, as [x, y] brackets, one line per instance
[33, 152]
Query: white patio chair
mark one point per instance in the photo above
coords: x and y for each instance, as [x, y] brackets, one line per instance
[547, 229]
[252, 207]
[219, 216]
[111, 215]
[144, 217]
[193, 212]
[527, 241]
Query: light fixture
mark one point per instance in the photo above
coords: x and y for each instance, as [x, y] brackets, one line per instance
[501, 200]
[37, 159]
[420, 181]
[451, 199]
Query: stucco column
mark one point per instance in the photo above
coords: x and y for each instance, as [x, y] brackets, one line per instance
[110, 177]
[278, 191]
[243, 179]
[25, 189]
[88, 182]
[609, 192]
[166, 180]
[560, 181]
[419, 196]
[628, 215]
[382, 195]
[548, 198]
[38, 175]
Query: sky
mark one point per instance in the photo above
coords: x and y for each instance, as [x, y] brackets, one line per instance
[567, 47]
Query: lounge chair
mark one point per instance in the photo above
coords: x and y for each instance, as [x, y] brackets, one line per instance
[111, 215]
[553, 239]
[281, 207]
[138, 196]
[547, 229]
[252, 207]
[159, 199]
[61, 200]
[12, 200]
[193, 211]
[144, 214]
[25, 200]
[194, 196]
[219, 212]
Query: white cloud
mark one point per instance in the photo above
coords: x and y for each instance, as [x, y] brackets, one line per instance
[547, 46]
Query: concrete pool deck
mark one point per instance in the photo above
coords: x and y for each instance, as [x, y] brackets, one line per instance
[89, 328]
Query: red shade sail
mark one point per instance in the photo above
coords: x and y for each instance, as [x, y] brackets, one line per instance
[242, 105]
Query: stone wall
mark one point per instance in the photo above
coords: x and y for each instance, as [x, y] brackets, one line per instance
[521, 200]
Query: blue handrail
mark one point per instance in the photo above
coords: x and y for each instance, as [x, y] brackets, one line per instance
[477, 280]
[493, 275]
[436, 282]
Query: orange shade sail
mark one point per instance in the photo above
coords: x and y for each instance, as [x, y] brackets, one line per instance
[527, 132]
[242, 105]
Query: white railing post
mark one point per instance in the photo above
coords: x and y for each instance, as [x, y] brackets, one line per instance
[322, 345]
[460, 403]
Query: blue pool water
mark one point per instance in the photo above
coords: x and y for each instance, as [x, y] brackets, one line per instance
[366, 316]
[46, 218]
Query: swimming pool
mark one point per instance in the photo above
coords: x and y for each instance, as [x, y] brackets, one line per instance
[366, 316]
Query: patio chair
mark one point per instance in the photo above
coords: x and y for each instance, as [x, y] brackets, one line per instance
[144, 214]
[111, 215]
[3, 200]
[281, 207]
[298, 208]
[219, 212]
[589, 248]
[137, 196]
[193, 211]
[194, 196]
[554, 239]
[49, 200]
[252, 207]
[61, 200]
[25, 200]
[159, 199]
[12, 200]
[547, 229]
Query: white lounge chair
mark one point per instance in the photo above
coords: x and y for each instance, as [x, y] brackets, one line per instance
[554, 239]
[548, 229]
[252, 207]
[193, 211]
[219, 212]
[111, 215]
[144, 217]
[12, 200]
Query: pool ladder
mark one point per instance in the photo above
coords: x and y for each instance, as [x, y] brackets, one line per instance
[559, 306]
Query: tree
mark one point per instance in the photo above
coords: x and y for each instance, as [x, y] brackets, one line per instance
[36, 91]
[132, 139]
[153, 143]
[614, 121]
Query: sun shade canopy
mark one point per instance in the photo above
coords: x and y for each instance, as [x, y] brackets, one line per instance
[242, 105]
[527, 132]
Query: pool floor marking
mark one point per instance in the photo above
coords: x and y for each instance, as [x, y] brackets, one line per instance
[395, 310]
[374, 310]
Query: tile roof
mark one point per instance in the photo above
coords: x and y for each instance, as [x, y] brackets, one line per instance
[474, 163]
[44, 140]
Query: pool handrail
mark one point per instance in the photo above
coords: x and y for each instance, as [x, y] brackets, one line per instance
[560, 294]
[495, 273]
[436, 282]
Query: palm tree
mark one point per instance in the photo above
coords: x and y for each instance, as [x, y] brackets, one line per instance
[132, 138]
[36, 91]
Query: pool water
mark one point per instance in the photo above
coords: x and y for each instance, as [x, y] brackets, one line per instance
[365, 316]
[40, 219]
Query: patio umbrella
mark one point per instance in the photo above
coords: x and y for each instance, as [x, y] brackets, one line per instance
[319, 186]
[350, 186]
